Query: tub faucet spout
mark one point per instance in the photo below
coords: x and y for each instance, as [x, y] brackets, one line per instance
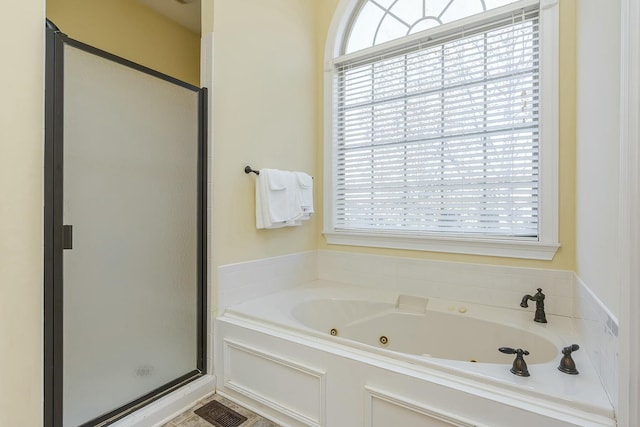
[539, 299]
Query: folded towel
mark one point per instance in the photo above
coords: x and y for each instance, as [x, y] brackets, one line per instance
[277, 201]
[280, 196]
[261, 206]
[304, 194]
[277, 179]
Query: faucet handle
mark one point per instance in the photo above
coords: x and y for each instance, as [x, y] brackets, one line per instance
[567, 365]
[519, 367]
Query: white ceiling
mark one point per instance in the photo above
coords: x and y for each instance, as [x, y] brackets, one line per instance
[184, 12]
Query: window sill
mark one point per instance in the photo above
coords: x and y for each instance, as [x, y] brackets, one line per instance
[526, 249]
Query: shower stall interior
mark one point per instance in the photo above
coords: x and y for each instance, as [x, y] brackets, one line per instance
[125, 233]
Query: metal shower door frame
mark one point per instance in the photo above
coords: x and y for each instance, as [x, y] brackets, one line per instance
[54, 234]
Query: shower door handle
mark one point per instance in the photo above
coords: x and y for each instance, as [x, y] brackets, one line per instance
[67, 237]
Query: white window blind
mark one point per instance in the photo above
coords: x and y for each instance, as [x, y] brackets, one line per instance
[442, 135]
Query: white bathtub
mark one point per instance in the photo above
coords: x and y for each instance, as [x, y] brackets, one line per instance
[425, 328]
[327, 355]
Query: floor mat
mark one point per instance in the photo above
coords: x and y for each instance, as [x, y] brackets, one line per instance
[219, 415]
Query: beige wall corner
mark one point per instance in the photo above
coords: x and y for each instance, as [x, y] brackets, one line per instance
[21, 141]
[206, 16]
[597, 88]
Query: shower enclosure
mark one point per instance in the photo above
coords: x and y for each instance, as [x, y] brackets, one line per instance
[125, 204]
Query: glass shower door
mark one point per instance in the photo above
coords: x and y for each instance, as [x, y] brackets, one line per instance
[132, 318]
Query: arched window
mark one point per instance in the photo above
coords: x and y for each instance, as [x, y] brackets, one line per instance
[379, 21]
[444, 126]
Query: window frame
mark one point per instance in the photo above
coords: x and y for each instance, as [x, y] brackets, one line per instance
[545, 247]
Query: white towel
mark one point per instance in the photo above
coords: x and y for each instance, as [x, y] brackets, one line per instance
[277, 203]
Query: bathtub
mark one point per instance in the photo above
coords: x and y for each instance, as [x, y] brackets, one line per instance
[331, 355]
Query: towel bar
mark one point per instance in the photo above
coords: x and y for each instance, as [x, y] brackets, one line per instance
[248, 170]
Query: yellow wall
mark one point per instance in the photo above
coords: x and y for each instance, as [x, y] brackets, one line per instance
[206, 16]
[264, 116]
[133, 31]
[565, 257]
[21, 136]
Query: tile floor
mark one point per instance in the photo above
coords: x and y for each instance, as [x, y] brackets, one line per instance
[190, 419]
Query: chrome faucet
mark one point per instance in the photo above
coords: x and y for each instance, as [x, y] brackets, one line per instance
[539, 299]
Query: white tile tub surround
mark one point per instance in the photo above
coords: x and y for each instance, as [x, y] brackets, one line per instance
[478, 283]
[492, 285]
[599, 329]
[499, 286]
[243, 281]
